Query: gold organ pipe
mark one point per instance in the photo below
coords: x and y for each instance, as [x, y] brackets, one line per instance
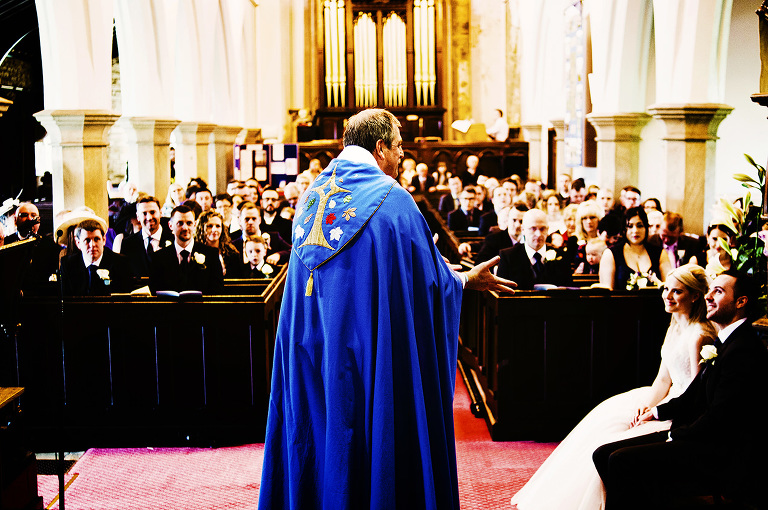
[327, 26]
[431, 51]
[417, 75]
[334, 52]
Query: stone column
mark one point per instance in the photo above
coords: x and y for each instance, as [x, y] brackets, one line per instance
[618, 147]
[148, 153]
[532, 133]
[689, 156]
[79, 157]
[221, 153]
[249, 135]
[559, 126]
[192, 151]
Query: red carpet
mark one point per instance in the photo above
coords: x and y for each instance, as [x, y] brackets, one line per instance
[228, 478]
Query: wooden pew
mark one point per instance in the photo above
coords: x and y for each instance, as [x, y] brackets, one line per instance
[144, 371]
[541, 360]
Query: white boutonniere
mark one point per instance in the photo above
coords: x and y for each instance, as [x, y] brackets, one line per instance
[200, 258]
[167, 243]
[708, 354]
[550, 255]
[104, 275]
[53, 278]
[267, 269]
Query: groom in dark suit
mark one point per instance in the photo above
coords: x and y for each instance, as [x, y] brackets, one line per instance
[530, 262]
[718, 441]
[185, 264]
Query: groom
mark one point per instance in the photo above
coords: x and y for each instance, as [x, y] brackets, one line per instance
[719, 435]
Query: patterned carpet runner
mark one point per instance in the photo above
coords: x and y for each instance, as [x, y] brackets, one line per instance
[228, 478]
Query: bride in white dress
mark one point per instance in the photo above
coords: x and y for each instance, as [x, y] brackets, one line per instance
[568, 478]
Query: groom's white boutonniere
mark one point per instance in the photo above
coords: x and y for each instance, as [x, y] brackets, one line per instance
[550, 255]
[708, 354]
[200, 258]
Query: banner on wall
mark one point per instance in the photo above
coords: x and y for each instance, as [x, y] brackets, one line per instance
[275, 164]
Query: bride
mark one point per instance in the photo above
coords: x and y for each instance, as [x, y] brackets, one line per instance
[568, 478]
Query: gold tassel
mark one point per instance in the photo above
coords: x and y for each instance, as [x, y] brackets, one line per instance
[310, 282]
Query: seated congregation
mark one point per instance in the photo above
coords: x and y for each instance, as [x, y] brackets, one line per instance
[203, 240]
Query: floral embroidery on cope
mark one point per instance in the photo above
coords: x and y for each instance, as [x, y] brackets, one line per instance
[310, 204]
[336, 234]
[331, 204]
[349, 213]
[330, 219]
[299, 232]
[306, 220]
[347, 199]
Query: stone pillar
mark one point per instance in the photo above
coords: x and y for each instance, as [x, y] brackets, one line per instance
[532, 133]
[618, 147]
[689, 156]
[148, 153]
[249, 135]
[79, 157]
[559, 126]
[221, 153]
[192, 139]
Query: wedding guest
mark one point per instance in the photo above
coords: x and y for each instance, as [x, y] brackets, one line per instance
[716, 259]
[587, 219]
[466, 217]
[204, 197]
[605, 200]
[255, 253]
[186, 264]
[502, 198]
[564, 188]
[422, 182]
[551, 204]
[671, 237]
[655, 218]
[94, 270]
[717, 442]
[174, 197]
[630, 197]
[633, 255]
[652, 204]
[450, 201]
[530, 263]
[271, 221]
[568, 478]
[154, 235]
[593, 253]
[210, 231]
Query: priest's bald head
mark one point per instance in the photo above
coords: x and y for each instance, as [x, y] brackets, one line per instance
[377, 131]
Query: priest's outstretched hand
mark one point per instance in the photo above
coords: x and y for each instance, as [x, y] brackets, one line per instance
[480, 277]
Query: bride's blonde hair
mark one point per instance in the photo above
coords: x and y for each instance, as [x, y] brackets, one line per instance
[695, 279]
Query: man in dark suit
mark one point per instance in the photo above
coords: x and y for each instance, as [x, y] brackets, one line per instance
[95, 270]
[423, 181]
[153, 236]
[185, 264]
[502, 198]
[466, 215]
[469, 177]
[679, 247]
[717, 442]
[506, 238]
[278, 250]
[271, 221]
[27, 220]
[530, 263]
[450, 202]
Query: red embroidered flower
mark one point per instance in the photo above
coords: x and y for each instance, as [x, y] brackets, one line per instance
[330, 219]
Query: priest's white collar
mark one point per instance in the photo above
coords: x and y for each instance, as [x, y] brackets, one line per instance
[357, 154]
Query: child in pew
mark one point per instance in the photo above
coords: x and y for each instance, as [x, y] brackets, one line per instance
[594, 252]
[255, 251]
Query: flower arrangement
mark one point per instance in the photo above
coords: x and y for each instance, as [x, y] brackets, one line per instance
[641, 281]
[747, 247]
[104, 275]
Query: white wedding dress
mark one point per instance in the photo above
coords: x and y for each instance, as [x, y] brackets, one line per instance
[568, 478]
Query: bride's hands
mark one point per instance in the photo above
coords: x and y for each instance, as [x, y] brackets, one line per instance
[642, 415]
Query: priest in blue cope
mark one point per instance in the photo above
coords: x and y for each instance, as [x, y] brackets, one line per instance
[361, 406]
